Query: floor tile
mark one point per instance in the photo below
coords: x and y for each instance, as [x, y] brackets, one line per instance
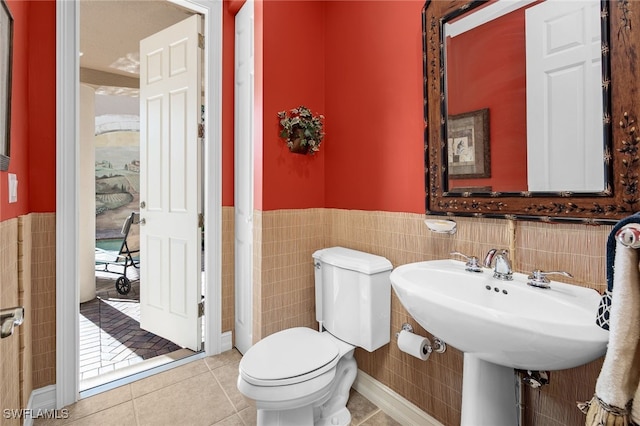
[119, 415]
[380, 419]
[195, 401]
[202, 392]
[233, 420]
[100, 402]
[227, 376]
[167, 378]
[249, 416]
[228, 357]
[359, 407]
[190, 395]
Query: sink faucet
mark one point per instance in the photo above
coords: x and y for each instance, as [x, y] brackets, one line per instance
[502, 266]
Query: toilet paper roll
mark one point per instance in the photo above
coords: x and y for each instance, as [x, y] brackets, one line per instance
[414, 345]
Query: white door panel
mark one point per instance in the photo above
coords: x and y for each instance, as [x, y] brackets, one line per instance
[564, 142]
[170, 170]
[244, 99]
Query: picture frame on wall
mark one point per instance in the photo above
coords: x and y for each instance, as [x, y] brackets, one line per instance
[6, 65]
[468, 148]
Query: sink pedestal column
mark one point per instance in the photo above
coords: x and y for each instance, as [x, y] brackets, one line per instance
[488, 394]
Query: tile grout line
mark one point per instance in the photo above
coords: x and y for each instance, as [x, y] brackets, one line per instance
[133, 403]
[373, 413]
[224, 392]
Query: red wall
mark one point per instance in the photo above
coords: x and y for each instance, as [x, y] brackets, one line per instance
[293, 43]
[33, 113]
[359, 63]
[375, 154]
[42, 106]
[19, 114]
[498, 87]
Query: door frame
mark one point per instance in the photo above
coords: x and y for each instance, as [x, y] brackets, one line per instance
[67, 207]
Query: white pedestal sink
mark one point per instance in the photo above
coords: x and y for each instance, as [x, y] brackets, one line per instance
[500, 325]
[488, 394]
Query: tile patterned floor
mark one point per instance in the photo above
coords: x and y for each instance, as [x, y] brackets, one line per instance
[110, 334]
[202, 392]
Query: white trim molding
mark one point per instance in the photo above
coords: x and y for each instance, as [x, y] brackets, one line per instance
[67, 292]
[391, 402]
[226, 341]
[40, 399]
[484, 15]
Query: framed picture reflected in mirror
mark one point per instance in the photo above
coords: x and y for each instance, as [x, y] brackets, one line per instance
[468, 147]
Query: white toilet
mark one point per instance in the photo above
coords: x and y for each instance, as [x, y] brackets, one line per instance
[300, 376]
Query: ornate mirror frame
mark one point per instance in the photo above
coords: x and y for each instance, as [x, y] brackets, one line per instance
[619, 199]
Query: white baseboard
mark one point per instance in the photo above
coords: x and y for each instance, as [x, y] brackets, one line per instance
[40, 399]
[226, 341]
[43, 398]
[391, 402]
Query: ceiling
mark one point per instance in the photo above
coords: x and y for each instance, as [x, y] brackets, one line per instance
[110, 32]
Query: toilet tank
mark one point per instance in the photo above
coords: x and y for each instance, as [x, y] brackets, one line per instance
[353, 296]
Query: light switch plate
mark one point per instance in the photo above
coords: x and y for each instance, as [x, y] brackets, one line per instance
[13, 188]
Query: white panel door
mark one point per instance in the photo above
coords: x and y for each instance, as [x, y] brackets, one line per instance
[564, 97]
[170, 186]
[244, 66]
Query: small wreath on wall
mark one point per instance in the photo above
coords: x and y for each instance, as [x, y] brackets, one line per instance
[302, 130]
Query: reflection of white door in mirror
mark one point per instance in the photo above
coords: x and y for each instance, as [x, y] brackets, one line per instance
[564, 97]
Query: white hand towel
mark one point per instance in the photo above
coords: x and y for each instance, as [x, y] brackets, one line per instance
[617, 381]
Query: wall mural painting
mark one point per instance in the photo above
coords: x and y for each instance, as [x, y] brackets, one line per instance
[117, 172]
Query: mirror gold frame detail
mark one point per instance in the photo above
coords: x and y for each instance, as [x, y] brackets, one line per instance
[621, 42]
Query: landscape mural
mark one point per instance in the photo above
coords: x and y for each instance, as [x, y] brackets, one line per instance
[117, 167]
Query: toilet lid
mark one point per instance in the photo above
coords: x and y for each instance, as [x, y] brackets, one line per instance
[289, 356]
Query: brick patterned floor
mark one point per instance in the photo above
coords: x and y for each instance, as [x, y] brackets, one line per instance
[110, 333]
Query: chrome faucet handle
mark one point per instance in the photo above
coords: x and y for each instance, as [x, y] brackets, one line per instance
[472, 264]
[539, 278]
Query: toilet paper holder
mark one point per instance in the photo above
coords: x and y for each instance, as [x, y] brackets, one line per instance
[438, 344]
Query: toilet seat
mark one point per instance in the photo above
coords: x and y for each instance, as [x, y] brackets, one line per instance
[289, 356]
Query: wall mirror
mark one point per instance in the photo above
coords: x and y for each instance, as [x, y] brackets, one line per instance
[6, 65]
[529, 110]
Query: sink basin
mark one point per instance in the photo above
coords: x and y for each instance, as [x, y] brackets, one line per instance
[503, 322]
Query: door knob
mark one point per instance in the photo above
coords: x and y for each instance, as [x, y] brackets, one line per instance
[143, 221]
[143, 204]
[10, 318]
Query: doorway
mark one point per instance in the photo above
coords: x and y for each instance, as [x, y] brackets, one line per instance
[113, 343]
[67, 344]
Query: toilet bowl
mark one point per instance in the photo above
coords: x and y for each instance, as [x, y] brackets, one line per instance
[302, 377]
[299, 376]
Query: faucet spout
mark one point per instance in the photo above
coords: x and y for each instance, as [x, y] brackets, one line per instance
[501, 264]
[488, 259]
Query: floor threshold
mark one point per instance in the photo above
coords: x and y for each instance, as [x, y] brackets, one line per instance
[138, 371]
